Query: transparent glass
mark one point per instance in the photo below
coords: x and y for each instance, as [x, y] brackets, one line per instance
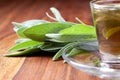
[89, 61]
[106, 17]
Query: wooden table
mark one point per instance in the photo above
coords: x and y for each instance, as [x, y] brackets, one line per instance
[37, 67]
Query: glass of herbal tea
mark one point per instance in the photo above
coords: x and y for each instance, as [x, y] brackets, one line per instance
[106, 18]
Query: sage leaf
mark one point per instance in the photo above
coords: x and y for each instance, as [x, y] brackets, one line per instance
[69, 37]
[59, 53]
[38, 32]
[51, 46]
[74, 52]
[80, 29]
[24, 45]
[20, 27]
[26, 52]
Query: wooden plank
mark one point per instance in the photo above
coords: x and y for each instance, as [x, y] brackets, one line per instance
[9, 66]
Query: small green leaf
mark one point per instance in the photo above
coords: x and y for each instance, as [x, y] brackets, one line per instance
[51, 46]
[74, 51]
[24, 45]
[59, 53]
[38, 32]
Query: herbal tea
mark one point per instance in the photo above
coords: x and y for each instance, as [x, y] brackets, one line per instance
[107, 22]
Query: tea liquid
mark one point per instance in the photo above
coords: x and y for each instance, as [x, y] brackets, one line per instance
[107, 22]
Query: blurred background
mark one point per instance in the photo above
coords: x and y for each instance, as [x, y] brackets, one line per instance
[22, 10]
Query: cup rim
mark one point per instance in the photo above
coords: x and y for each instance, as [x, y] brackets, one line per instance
[102, 3]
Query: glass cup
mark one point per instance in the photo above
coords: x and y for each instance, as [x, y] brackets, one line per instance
[106, 18]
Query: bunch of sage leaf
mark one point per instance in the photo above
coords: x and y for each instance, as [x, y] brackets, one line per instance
[43, 35]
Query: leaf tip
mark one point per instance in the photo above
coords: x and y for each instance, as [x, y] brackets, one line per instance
[53, 59]
[79, 20]
[6, 55]
[52, 8]
[16, 24]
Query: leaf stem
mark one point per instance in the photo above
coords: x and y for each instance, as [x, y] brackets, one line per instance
[79, 20]
[51, 17]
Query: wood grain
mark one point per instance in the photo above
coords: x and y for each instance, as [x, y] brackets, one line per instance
[37, 67]
[8, 66]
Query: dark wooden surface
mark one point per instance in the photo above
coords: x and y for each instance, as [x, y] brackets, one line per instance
[40, 67]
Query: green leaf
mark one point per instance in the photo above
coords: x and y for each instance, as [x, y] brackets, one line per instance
[51, 46]
[26, 52]
[59, 53]
[38, 32]
[74, 51]
[80, 29]
[69, 37]
[24, 45]
[20, 27]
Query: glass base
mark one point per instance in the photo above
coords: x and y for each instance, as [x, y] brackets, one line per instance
[111, 64]
[90, 62]
[110, 61]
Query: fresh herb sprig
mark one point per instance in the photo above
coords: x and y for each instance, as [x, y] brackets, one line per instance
[43, 35]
